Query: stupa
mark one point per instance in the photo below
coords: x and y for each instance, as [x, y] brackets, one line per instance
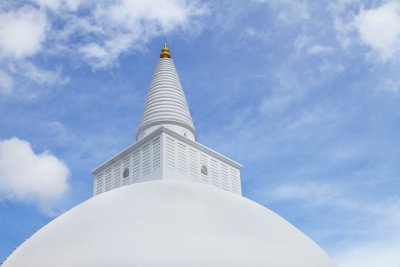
[167, 200]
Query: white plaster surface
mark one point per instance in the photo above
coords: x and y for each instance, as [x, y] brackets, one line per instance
[167, 155]
[166, 103]
[169, 223]
[176, 128]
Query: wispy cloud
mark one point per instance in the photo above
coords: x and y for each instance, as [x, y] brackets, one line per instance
[6, 83]
[117, 27]
[38, 75]
[289, 12]
[370, 254]
[320, 49]
[95, 33]
[391, 85]
[373, 221]
[334, 193]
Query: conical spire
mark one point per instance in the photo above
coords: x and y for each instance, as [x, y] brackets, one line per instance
[166, 103]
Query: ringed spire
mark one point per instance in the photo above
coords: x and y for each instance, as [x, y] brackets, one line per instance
[166, 103]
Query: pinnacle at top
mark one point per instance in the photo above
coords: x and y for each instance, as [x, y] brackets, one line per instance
[165, 52]
[166, 104]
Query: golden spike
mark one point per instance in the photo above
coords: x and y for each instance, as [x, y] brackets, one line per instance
[165, 52]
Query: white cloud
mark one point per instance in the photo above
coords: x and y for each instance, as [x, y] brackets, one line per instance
[55, 4]
[277, 102]
[288, 11]
[328, 66]
[26, 69]
[97, 36]
[320, 49]
[306, 44]
[376, 221]
[250, 32]
[377, 28]
[314, 193]
[48, 3]
[380, 29]
[301, 42]
[391, 85]
[382, 213]
[109, 28]
[41, 179]
[22, 32]
[127, 25]
[39, 75]
[6, 83]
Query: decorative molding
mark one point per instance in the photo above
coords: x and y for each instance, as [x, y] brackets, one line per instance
[160, 130]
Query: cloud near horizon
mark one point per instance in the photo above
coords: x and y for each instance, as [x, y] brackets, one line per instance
[39, 179]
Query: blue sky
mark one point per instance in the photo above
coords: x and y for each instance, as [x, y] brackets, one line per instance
[305, 94]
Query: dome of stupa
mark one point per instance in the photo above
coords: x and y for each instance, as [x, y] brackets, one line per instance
[167, 200]
[169, 223]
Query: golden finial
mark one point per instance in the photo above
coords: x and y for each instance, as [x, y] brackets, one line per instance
[165, 52]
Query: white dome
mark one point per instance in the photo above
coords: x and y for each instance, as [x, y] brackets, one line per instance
[165, 223]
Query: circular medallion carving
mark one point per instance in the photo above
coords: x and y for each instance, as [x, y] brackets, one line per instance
[204, 170]
[125, 173]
